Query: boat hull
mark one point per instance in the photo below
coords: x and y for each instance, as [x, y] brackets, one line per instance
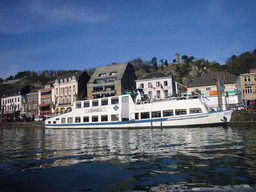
[200, 119]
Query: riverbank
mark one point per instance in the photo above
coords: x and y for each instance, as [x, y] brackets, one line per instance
[243, 117]
[23, 124]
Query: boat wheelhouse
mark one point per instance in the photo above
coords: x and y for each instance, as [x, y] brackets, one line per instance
[135, 111]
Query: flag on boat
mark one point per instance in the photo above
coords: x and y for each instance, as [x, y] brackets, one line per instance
[221, 85]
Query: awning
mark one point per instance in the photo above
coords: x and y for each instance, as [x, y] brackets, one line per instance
[44, 105]
[46, 90]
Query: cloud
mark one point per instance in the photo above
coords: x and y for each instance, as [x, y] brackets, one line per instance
[68, 12]
[37, 16]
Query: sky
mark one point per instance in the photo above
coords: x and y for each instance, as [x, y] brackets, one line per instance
[83, 34]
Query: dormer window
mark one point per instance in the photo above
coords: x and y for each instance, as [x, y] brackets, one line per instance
[112, 73]
[73, 78]
[65, 80]
[69, 79]
[56, 81]
[61, 81]
[102, 75]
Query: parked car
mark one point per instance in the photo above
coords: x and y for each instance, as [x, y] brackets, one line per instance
[38, 119]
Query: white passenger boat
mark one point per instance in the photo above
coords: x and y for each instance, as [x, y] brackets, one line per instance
[127, 111]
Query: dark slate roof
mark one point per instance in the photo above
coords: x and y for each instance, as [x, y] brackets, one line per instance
[13, 91]
[207, 79]
[67, 75]
[107, 69]
[154, 75]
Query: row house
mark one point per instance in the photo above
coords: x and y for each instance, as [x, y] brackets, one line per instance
[67, 89]
[111, 80]
[246, 86]
[32, 104]
[45, 98]
[206, 86]
[157, 85]
[14, 102]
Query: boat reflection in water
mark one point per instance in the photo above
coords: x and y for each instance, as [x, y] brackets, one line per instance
[137, 159]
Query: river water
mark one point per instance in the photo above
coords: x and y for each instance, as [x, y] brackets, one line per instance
[185, 159]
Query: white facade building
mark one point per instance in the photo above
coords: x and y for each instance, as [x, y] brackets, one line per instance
[157, 86]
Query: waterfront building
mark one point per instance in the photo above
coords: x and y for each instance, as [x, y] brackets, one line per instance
[246, 86]
[206, 86]
[157, 85]
[111, 80]
[69, 88]
[45, 100]
[14, 102]
[32, 104]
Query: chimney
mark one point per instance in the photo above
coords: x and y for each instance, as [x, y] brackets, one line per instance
[177, 55]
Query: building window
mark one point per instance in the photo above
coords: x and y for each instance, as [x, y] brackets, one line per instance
[245, 78]
[74, 89]
[115, 117]
[104, 117]
[57, 92]
[158, 84]
[249, 78]
[112, 73]
[165, 83]
[150, 85]
[208, 88]
[158, 94]
[102, 75]
[66, 90]
[141, 86]
[166, 93]
[248, 90]
[61, 91]
[254, 78]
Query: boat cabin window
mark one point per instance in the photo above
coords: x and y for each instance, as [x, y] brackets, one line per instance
[78, 105]
[78, 119]
[156, 114]
[104, 102]
[104, 117]
[195, 110]
[49, 122]
[63, 120]
[114, 100]
[167, 113]
[94, 118]
[144, 115]
[86, 104]
[54, 122]
[95, 103]
[115, 117]
[86, 119]
[137, 115]
[180, 112]
[70, 120]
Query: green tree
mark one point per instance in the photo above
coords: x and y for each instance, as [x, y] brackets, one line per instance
[154, 63]
[166, 63]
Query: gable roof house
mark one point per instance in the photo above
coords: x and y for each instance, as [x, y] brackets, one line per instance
[206, 85]
[110, 80]
[157, 85]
